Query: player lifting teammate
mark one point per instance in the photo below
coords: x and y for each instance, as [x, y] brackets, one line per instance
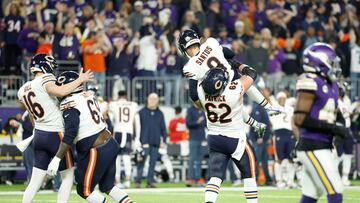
[40, 98]
[96, 149]
[316, 114]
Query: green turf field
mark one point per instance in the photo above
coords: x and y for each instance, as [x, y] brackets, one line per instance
[172, 194]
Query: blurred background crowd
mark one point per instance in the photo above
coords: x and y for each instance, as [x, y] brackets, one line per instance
[139, 38]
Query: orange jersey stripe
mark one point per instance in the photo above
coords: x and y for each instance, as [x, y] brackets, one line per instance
[89, 172]
[252, 160]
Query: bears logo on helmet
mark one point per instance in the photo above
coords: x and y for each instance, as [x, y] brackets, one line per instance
[43, 63]
[68, 77]
[215, 81]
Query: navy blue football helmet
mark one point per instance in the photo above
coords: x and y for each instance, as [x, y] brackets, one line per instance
[43, 63]
[215, 81]
[68, 77]
[186, 39]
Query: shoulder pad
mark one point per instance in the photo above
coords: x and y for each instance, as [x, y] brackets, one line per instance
[307, 82]
[68, 102]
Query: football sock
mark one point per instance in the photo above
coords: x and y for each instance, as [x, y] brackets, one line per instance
[306, 199]
[37, 178]
[119, 195]
[212, 189]
[118, 169]
[127, 166]
[96, 197]
[67, 180]
[290, 172]
[335, 198]
[278, 172]
[250, 190]
[346, 165]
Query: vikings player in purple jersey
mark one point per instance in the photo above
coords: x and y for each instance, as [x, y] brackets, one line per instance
[316, 114]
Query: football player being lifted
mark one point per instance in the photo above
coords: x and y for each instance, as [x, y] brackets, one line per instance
[40, 98]
[211, 54]
[317, 114]
[221, 93]
[96, 148]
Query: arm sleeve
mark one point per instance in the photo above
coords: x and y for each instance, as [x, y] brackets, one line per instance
[72, 121]
[193, 90]
[228, 53]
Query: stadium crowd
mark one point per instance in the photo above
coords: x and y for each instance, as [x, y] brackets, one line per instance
[139, 38]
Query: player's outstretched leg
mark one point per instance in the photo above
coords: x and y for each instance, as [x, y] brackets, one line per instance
[119, 195]
[118, 170]
[37, 178]
[96, 197]
[67, 180]
[212, 189]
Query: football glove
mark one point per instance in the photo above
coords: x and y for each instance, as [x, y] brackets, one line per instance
[260, 128]
[53, 166]
[273, 110]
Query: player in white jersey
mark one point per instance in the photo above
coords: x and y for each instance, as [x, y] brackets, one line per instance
[96, 149]
[126, 125]
[284, 142]
[40, 98]
[208, 55]
[344, 146]
[221, 94]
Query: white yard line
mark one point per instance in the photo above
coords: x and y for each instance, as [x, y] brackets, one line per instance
[164, 190]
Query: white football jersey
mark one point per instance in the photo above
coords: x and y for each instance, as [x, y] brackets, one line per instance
[211, 55]
[283, 121]
[43, 107]
[345, 108]
[225, 113]
[124, 113]
[91, 119]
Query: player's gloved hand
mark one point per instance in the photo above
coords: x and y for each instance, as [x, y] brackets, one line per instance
[53, 166]
[274, 110]
[260, 128]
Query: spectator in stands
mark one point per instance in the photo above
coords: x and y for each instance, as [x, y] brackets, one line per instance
[27, 39]
[178, 132]
[196, 123]
[196, 7]
[121, 59]
[108, 14]
[163, 49]
[240, 32]
[174, 15]
[310, 37]
[231, 9]
[260, 18]
[190, 22]
[214, 17]
[13, 25]
[291, 65]
[238, 47]
[223, 39]
[148, 57]
[355, 59]
[45, 47]
[276, 58]
[261, 144]
[256, 56]
[95, 49]
[152, 136]
[136, 17]
[206, 34]
[66, 45]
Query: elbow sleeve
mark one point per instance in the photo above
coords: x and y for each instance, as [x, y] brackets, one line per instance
[72, 121]
[193, 90]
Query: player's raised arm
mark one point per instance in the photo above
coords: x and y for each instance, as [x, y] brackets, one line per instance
[61, 91]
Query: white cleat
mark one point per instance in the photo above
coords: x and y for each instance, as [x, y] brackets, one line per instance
[345, 181]
[281, 185]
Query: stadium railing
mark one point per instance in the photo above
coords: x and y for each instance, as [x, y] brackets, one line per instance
[9, 85]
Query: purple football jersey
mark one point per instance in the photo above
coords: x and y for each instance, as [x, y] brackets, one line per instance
[324, 106]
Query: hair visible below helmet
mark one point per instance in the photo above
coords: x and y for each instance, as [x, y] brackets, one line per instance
[94, 88]
[43, 63]
[320, 58]
[68, 77]
[215, 81]
[186, 39]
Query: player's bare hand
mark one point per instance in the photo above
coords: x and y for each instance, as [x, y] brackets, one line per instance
[86, 77]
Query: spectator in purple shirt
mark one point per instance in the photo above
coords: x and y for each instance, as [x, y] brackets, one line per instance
[174, 17]
[276, 58]
[260, 18]
[13, 24]
[224, 39]
[230, 9]
[68, 44]
[108, 14]
[27, 39]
